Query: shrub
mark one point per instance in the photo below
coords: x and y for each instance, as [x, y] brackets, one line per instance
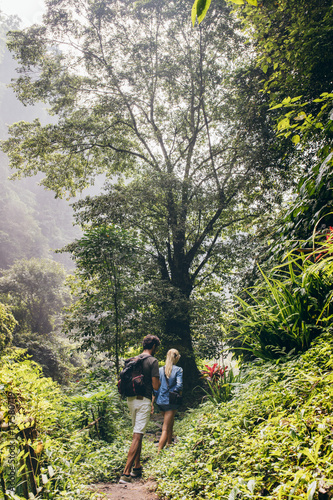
[221, 382]
[56, 438]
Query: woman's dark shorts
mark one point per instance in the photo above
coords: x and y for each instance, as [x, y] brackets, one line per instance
[168, 407]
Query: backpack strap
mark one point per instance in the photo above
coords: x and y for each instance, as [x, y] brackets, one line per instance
[144, 356]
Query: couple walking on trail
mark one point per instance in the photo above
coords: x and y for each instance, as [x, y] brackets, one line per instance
[162, 385]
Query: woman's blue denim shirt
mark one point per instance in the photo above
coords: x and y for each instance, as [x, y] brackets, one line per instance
[175, 384]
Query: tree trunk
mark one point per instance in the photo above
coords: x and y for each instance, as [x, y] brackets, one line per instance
[177, 334]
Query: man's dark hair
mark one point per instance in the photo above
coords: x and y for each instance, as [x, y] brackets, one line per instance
[149, 341]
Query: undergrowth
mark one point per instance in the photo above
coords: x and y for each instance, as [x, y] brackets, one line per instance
[57, 441]
[273, 440]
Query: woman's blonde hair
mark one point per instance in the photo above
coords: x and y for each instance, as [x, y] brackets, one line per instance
[171, 359]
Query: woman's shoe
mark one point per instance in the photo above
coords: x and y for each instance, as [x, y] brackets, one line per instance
[125, 479]
[136, 472]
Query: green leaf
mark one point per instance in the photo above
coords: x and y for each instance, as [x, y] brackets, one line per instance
[301, 116]
[238, 2]
[283, 124]
[276, 106]
[307, 453]
[294, 99]
[194, 12]
[253, 2]
[202, 8]
[296, 139]
[170, 471]
[311, 490]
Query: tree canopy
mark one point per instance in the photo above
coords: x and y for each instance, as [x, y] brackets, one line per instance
[7, 325]
[146, 99]
[35, 290]
[106, 286]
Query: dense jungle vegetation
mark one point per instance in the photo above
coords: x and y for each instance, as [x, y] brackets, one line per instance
[213, 230]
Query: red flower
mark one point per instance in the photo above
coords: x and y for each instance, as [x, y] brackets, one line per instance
[214, 372]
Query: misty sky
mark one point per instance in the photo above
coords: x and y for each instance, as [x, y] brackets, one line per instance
[30, 11]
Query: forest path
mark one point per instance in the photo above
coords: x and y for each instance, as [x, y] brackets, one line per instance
[138, 489]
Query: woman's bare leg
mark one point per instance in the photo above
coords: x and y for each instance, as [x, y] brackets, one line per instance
[170, 428]
[169, 417]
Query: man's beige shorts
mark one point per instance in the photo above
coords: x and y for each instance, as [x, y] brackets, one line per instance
[140, 412]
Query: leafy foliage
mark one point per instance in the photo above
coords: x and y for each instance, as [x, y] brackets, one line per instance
[311, 210]
[221, 382]
[294, 47]
[7, 325]
[274, 438]
[293, 65]
[289, 308]
[105, 286]
[59, 438]
[35, 290]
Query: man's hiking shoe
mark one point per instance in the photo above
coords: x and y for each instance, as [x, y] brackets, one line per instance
[125, 479]
[136, 472]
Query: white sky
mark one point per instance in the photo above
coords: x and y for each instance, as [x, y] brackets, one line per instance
[30, 11]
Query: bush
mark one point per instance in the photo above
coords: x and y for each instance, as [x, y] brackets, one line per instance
[58, 438]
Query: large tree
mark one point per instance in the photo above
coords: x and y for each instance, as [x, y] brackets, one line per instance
[35, 290]
[105, 285]
[145, 98]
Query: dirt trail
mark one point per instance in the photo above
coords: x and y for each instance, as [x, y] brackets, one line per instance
[138, 489]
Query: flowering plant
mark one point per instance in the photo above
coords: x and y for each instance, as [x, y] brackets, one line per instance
[220, 382]
[214, 372]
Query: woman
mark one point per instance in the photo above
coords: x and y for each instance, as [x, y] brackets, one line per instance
[171, 378]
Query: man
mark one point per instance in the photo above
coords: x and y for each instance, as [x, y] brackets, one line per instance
[140, 408]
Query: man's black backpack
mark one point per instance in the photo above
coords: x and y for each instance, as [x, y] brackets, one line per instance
[131, 377]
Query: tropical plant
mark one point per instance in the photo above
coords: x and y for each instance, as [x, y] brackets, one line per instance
[290, 307]
[51, 440]
[221, 382]
[28, 410]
